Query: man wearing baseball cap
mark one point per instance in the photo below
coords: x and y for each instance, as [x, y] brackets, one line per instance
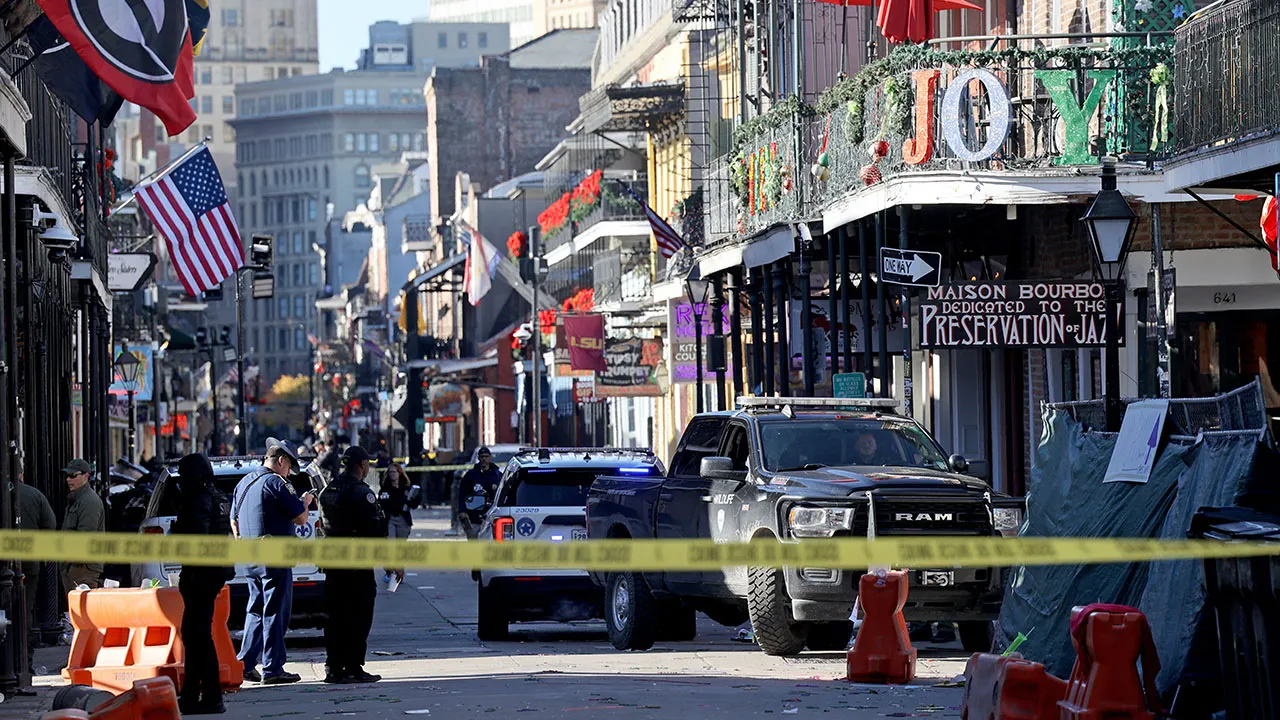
[84, 513]
[265, 505]
[350, 509]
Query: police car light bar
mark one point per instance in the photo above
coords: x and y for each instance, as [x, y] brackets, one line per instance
[756, 403]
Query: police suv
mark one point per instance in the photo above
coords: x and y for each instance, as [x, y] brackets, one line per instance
[308, 580]
[543, 496]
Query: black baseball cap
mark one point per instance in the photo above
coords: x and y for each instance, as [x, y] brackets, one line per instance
[354, 455]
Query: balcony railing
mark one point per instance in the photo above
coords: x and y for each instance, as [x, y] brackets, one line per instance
[1016, 106]
[622, 276]
[1221, 95]
[614, 204]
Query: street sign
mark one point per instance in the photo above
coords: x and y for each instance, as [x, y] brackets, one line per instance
[127, 271]
[849, 385]
[228, 354]
[911, 267]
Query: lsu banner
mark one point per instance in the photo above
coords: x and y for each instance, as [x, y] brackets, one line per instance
[585, 334]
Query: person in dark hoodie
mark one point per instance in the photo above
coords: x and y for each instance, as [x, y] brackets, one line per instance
[203, 510]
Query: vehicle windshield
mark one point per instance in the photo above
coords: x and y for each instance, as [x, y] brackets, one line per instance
[552, 487]
[802, 444]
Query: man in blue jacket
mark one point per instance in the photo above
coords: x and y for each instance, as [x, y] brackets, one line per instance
[265, 505]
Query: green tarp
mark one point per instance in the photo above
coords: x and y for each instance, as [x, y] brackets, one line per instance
[1067, 498]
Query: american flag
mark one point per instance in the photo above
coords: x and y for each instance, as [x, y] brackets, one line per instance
[669, 241]
[189, 207]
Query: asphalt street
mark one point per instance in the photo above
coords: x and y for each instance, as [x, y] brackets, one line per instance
[424, 645]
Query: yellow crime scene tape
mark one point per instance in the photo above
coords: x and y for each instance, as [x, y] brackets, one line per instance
[635, 555]
[440, 468]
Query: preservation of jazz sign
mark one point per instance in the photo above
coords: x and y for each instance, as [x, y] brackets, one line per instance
[1049, 314]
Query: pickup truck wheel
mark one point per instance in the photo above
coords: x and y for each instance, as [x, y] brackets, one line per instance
[977, 636]
[770, 610]
[679, 623]
[829, 635]
[630, 611]
[493, 624]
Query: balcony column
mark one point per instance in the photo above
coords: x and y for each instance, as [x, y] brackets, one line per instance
[882, 334]
[733, 285]
[784, 347]
[769, 355]
[757, 331]
[715, 344]
[866, 263]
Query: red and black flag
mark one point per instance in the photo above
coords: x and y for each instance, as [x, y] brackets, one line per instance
[141, 48]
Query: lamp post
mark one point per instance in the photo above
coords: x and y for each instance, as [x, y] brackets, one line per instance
[697, 288]
[127, 366]
[1111, 224]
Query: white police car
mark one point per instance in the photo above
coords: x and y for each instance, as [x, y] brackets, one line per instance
[308, 580]
[543, 496]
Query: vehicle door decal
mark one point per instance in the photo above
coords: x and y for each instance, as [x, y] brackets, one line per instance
[526, 526]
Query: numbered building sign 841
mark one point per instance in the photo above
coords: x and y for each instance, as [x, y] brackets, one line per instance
[1031, 314]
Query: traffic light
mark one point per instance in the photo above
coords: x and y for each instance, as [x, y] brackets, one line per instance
[260, 252]
[202, 337]
[224, 337]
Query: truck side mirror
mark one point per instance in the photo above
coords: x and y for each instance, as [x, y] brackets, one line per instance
[958, 464]
[720, 468]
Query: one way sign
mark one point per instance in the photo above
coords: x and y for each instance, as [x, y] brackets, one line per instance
[910, 267]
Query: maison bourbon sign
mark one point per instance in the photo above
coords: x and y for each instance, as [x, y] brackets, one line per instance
[1027, 314]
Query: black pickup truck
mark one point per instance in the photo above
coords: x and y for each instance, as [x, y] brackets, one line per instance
[790, 469]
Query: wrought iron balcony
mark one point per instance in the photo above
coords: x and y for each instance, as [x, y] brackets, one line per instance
[622, 278]
[1225, 96]
[1015, 107]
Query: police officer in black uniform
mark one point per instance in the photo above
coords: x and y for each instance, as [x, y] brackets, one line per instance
[203, 510]
[349, 508]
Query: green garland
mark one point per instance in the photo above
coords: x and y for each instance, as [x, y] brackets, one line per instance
[851, 92]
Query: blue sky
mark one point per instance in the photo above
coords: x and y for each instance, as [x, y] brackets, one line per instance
[344, 26]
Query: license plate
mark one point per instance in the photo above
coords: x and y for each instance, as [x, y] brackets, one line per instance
[937, 578]
[578, 535]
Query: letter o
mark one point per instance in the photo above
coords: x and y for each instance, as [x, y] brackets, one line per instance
[1000, 122]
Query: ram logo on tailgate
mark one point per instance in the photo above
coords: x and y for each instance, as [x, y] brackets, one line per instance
[923, 517]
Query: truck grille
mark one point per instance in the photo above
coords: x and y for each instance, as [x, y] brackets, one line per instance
[926, 516]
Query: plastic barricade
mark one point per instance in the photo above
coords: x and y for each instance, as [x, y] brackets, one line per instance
[1009, 688]
[1105, 684]
[127, 634]
[882, 651]
[150, 699]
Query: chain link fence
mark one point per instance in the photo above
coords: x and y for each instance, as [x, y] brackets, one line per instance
[1240, 411]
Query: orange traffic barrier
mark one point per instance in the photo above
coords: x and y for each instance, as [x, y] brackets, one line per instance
[128, 634]
[1104, 684]
[1009, 688]
[882, 651]
[150, 699]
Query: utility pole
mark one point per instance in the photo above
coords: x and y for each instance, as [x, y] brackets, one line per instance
[535, 252]
[240, 333]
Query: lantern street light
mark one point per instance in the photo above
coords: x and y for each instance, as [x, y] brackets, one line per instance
[1111, 224]
[127, 366]
[697, 288]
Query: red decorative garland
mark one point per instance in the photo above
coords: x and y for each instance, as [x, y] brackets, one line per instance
[517, 244]
[547, 321]
[582, 301]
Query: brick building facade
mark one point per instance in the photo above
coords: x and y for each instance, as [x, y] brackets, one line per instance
[498, 120]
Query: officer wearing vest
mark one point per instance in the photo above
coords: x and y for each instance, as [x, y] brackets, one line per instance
[265, 505]
[349, 509]
[203, 510]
